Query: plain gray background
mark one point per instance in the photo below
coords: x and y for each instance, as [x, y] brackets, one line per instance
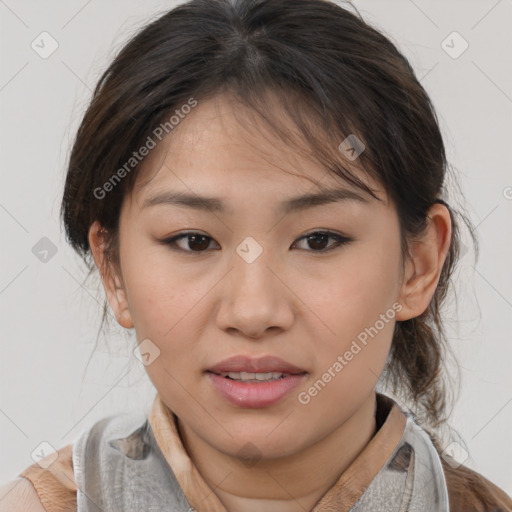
[49, 321]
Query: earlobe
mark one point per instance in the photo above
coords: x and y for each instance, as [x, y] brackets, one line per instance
[118, 301]
[423, 268]
[112, 283]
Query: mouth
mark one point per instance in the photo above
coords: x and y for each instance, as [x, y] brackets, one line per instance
[254, 383]
[255, 377]
[243, 367]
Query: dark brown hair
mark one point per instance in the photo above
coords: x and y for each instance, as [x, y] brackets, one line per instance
[334, 75]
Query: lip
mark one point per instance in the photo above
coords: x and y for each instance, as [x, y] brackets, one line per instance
[265, 364]
[255, 394]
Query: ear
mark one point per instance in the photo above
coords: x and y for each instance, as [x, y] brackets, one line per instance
[423, 269]
[110, 276]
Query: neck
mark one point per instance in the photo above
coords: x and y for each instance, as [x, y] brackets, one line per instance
[289, 484]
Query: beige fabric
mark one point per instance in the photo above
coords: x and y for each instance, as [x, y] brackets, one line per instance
[54, 489]
[55, 485]
[341, 497]
[19, 495]
[196, 490]
[354, 480]
[470, 491]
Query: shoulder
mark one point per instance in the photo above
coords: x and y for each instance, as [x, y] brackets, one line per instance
[470, 491]
[19, 495]
[46, 486]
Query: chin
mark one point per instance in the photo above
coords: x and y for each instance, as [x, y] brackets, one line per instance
[257, 445]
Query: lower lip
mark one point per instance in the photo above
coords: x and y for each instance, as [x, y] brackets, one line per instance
[255, 394]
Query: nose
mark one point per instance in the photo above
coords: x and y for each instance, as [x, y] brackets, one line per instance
[255, 297]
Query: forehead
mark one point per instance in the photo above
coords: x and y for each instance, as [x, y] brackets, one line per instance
[221, 142]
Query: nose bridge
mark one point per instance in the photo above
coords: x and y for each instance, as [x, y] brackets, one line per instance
[254, 299]
[251, 274]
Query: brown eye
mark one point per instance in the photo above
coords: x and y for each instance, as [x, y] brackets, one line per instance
[319, 241]
[191, 242]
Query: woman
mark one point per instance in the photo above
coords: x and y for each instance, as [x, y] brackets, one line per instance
[261, 186]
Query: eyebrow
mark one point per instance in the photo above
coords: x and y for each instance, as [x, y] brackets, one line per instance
[288, 206]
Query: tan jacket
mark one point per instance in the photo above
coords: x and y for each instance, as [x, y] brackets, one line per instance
[54, 489]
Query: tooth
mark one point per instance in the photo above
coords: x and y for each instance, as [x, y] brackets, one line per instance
[262, 376]
[250, 376]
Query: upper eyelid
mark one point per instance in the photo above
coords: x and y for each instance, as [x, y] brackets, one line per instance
[314, 232]
[340, 238]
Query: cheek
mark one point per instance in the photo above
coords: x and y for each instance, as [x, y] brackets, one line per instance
[167, 307]
[165, 304]
[355, 305]
[352, 295]
[159, 294]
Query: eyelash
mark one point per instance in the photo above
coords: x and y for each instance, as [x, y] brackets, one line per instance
[341, 240]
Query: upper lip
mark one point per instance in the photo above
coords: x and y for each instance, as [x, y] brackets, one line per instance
[247, 364]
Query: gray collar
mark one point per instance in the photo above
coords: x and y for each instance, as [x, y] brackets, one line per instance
[119, 467]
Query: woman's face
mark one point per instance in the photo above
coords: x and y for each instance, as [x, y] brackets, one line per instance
[252, 284]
